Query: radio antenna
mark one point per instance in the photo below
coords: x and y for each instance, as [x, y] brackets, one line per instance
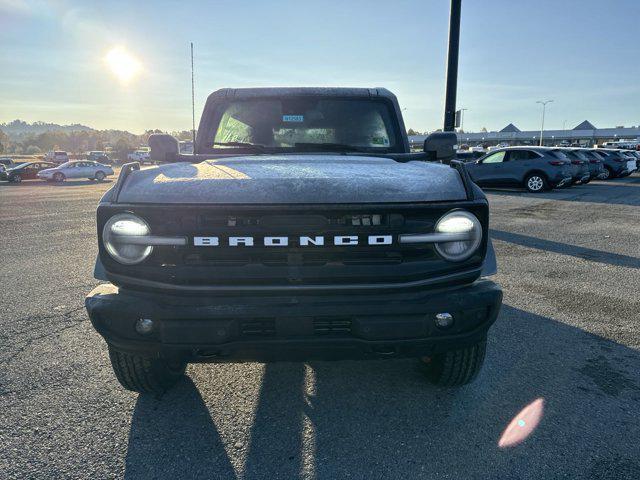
[193, 107]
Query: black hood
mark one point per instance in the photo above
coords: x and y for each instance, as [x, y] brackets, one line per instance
[294, 179]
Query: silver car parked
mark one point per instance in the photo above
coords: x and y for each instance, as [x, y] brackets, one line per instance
[77, 169]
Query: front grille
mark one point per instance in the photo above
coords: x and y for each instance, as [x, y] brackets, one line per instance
[293, 226]
[295, 263]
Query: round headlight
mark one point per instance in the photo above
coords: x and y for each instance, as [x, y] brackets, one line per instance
[118, 230]
[463, 224]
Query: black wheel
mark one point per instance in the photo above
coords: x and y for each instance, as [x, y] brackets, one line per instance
[99, 176]
[456, 367]
[15, 178]
[58, 177]
[586, 181]
[144, 374]
[536, 183]
[607, 174]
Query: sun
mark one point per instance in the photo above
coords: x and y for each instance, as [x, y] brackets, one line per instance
[124, 65]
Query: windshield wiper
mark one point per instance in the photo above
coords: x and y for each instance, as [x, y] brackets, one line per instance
[255, 146]
[333, 147]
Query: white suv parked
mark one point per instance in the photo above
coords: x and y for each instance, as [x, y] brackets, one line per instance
[141, 156]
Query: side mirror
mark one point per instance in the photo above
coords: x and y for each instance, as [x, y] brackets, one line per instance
[164, 148]
[441, 146]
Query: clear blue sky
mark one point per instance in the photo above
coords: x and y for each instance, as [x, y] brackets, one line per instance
[582, 53]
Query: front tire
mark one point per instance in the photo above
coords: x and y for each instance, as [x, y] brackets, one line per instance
[15, 179]
[144, 374]
[456, 367]
[536, 183]
[58, 177]
[99, 176]
[608, 173]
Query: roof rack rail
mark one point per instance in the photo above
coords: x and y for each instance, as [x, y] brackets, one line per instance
[460, 166]
[127, 168]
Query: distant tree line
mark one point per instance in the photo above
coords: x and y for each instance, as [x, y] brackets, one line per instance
[119, 142]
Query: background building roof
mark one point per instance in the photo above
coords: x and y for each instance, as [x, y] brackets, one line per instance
[510, 128]
[586, 125]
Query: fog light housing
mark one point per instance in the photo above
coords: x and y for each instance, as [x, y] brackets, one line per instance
[444, 320]
[144, 326]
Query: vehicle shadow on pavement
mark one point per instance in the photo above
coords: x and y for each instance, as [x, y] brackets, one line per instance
[590, 254]
[163, 434]
[382, 419]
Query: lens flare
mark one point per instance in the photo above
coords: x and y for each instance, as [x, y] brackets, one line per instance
[124, 65]
[522, 425]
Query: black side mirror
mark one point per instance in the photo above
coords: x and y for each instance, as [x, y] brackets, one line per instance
[440, 146]
[164, 148]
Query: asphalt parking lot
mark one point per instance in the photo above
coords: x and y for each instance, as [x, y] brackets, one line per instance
[566, 344]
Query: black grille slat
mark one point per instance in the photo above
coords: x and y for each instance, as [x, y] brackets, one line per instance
[315, 259]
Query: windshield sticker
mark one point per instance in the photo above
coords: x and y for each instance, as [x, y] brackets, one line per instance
[380, 141]
[293, 118]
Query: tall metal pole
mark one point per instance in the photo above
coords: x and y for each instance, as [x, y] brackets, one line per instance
[193, 106]
[452, 67]
[544, 108]
[462, 110]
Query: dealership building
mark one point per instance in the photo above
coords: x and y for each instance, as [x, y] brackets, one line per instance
[585, 134]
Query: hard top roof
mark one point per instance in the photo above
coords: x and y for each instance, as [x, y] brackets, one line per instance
[302, 91]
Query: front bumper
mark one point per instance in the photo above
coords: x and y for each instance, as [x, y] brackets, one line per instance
[294, 328]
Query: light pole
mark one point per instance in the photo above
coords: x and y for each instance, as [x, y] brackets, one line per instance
[462, 110]
[452, 67]
[544, 108]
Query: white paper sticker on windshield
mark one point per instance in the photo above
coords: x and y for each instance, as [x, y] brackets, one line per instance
[293, 118]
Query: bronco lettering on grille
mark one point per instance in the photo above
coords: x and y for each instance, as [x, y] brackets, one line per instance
[303, 241]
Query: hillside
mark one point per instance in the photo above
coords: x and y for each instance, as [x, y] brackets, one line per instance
[19, 137]
[18, 128]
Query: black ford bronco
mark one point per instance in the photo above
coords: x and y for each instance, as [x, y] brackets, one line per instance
[301, 228]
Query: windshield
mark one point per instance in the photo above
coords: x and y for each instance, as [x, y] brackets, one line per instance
[65, 164]
[20, 165]
[307, 123]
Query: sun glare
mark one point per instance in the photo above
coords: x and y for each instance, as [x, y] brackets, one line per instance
[123, 64]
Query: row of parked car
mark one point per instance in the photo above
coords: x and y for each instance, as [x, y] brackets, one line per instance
[542, 168]
[49, 171]
[57, 167]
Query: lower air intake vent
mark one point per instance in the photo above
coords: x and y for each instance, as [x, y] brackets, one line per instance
[259, 328]
[333, 326]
